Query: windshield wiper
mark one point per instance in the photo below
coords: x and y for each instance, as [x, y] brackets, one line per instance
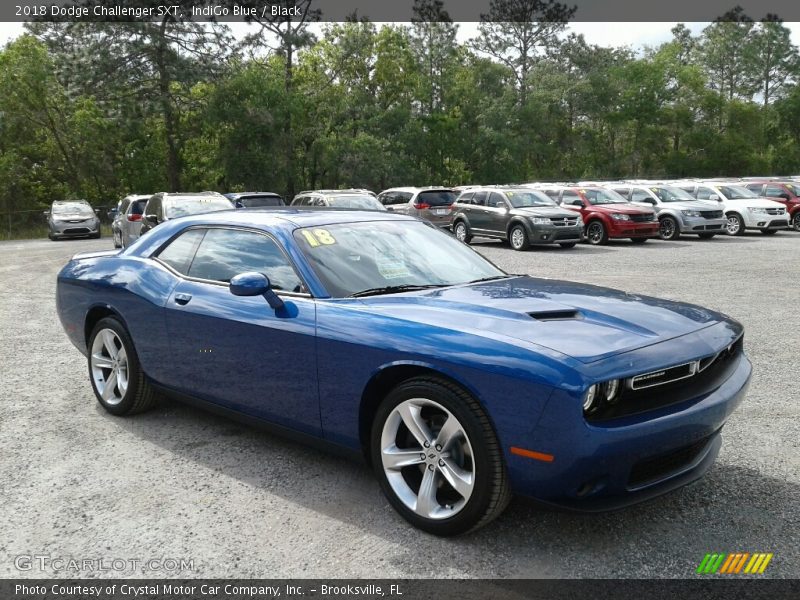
[396, 289]
[492, 278]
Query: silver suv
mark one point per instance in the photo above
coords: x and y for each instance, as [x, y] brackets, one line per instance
[433, 204]
[127, 223]
[678, 211]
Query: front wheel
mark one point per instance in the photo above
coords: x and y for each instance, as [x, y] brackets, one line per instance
[114, 370]
[437, 457]
[668, 229]
[461, 232]
[596, 233]
[735, 225]
[796, 221]
[518, 238]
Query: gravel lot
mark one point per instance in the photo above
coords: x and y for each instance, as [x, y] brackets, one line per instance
[179, 483]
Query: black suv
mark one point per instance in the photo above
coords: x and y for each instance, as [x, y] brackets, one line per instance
[356, 199]
[520, 215]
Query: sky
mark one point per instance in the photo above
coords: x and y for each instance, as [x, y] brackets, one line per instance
[635, 35]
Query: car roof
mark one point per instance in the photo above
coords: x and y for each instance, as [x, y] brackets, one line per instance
[427, 188]
[70, 202]
[237, 195]
[293, 217]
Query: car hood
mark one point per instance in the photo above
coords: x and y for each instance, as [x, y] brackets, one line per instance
[542, 211]
[73, 216]
[684, 205]
[626, 208]
[588, 323]
[755, 203]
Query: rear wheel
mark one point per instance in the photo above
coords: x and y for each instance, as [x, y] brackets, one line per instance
[596, 233]
[518, 238]
[796, 221]
[117, 378]
[437, 458]
[668, 229]
[735, 225]
[461, 232]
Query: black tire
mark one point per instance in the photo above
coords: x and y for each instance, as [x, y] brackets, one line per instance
[117, 244]
[52, 237]
[668, 229]
[769, 231]
[461, 227]
[491, 491]
[639, 240]
[596, 233]
[795, 223]
[567, 245]
[139, 395]
[518, 237]
[735, 224]
[706, 236]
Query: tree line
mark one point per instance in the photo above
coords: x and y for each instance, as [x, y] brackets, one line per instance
[99, 110]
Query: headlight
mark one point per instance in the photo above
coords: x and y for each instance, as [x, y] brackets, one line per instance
[691, 213]
[541, 220]
[589, 398]
[620, 217]
[611, 390]
[758, 211]
[580, 221]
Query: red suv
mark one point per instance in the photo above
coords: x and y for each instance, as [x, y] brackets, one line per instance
[606, 214]
[785, 192]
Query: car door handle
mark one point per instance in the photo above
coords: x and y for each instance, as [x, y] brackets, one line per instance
[390, 209]
[182, 299]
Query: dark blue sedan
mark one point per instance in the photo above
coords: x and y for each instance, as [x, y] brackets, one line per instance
[384, 336]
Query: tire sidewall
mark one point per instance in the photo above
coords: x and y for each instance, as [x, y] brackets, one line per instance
[128, 401]
[602, 236]
[480, 498]
[511, 231]
[739, 220]
[675, 230]
[462, 225]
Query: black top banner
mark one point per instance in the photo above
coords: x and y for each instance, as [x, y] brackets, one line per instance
[399, 10]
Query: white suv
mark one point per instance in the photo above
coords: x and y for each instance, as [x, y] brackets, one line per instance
[743, 209]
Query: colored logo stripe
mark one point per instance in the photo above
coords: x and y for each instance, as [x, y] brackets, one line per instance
[734, 563]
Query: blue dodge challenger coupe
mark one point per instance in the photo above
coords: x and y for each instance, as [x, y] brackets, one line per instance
[380, 334]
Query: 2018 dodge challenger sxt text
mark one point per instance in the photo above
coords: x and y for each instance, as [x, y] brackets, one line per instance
[381, 334]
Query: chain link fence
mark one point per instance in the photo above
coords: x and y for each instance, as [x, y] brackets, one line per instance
[32, 224]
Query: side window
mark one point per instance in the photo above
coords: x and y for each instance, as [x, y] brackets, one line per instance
[756, 188]
[224, 253]
[123, 206]
[465, 198]
[571, 198]
[318, 201]
[641, 196]
[624, 193]
[705, 193]
[494, 198]
[180, 251]
[774, 191]
[552, 194]
[403, 197]
[299, 201]
[479, 199]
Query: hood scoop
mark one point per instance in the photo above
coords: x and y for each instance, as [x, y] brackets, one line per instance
[556, 315]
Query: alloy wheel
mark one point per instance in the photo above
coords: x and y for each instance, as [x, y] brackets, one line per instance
[109, 364]
[796, 221]
[427, 458]
[595, 233]
[667, 229]
[461, 232]
[734, 225]
[517, 238]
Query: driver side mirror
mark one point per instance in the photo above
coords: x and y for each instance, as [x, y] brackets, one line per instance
[152, 219]
[500, 204]
[253, 283]
[715, 197]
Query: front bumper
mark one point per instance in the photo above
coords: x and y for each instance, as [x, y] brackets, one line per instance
[609, 465]
[702, 225]
[550, 234]
[630, 229]
[80, 229]
[765, 221]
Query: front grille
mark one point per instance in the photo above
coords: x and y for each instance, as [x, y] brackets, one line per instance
[77, 230]
[712, 214]
[642, 218]
[709, 373]
[659, 467]
[567, 235]
[775, 211]
[564, 221]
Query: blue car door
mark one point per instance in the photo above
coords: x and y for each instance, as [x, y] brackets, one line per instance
[237, 351]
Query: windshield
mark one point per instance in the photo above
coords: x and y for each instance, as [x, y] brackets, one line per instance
[359, 202]
[734, 192]
[353, 257]
[181, 207]
[602, 196]
[436, 198]
[72, 208]
[525, 198]
[260, 201]
[672, 194]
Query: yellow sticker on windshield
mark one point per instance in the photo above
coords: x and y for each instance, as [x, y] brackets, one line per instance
[318, 236]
